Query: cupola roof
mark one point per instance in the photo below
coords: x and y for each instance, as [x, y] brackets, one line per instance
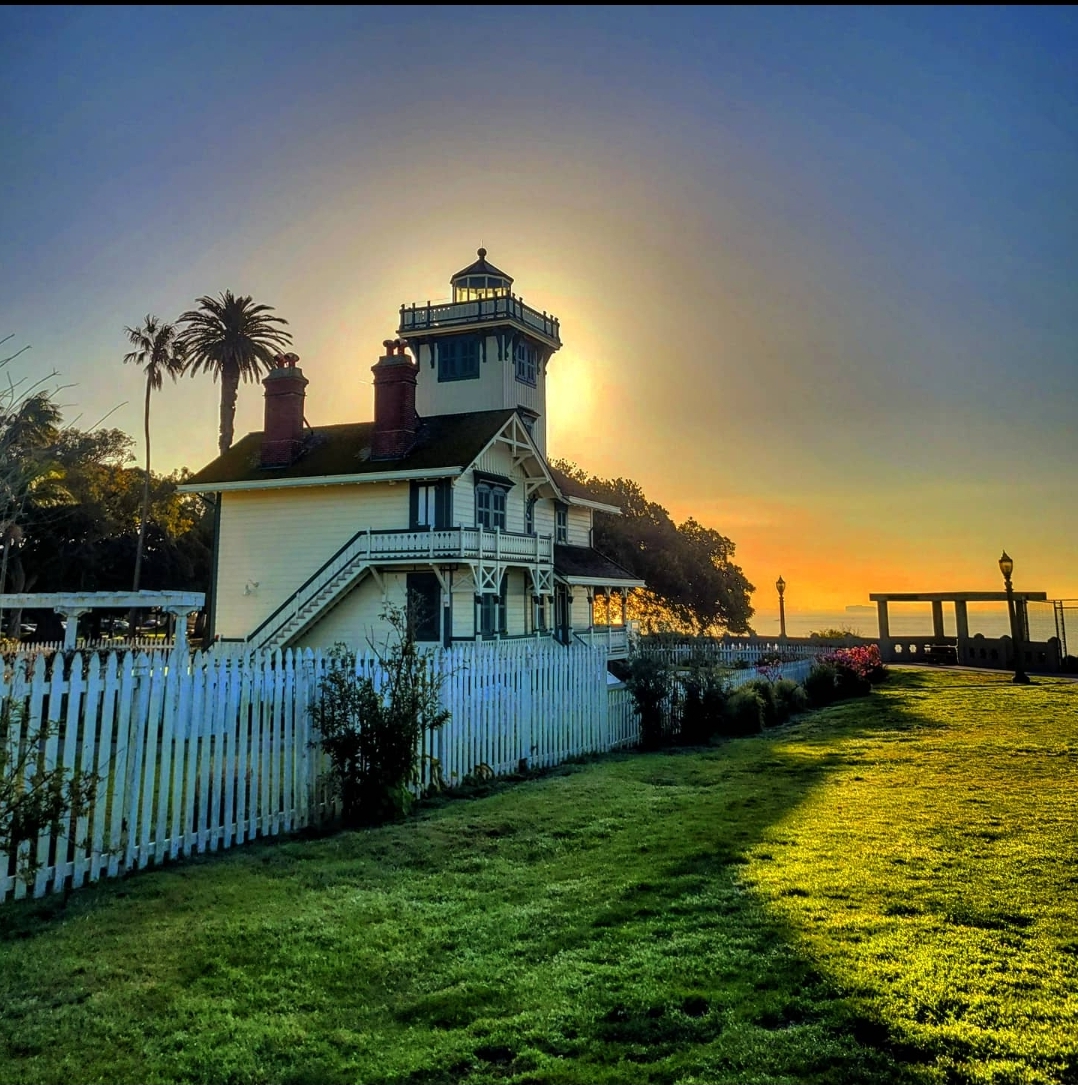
[482, 267]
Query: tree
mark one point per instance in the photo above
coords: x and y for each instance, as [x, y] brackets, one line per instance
[693, 583]
[157, 353]
[232, 339]
[29, 425]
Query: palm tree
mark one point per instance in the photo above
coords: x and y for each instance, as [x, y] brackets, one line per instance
[231, 338]
[157, 352]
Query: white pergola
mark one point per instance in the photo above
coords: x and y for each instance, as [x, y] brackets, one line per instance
[71, 604]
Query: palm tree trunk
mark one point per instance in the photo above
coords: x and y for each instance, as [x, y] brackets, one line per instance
[145, 495]
[230, 386]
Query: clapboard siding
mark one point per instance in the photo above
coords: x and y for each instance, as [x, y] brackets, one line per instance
[277, 538]
[579, 523]
[355, 620]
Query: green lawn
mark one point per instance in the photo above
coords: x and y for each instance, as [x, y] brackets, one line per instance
[886, 891]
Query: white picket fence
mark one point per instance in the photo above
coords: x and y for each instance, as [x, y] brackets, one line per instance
[797, 671]
[730, 653]
[196, 753]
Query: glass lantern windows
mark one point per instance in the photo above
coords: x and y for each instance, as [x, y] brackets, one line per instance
[480, 287]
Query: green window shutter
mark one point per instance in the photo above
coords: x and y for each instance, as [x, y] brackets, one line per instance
[413, 505]
[442, 499]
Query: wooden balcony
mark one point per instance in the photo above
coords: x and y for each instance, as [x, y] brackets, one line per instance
[452, 544]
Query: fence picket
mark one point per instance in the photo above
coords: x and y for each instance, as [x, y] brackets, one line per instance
[84, 848]
[67, 838]
[52, 741]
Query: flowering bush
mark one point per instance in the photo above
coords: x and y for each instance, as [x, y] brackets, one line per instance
[862, 662]
[770, 667]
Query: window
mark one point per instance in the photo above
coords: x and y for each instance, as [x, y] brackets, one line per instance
[539, 613]
[424, 606]
[561, 524]
[489, 506]
[526, 360]
[480, 287]
[492, 613]
[458, 358]
[429, 505]
[426, 499]
[529, 516]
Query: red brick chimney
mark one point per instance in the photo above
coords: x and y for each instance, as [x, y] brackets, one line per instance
[283, 433]
[395, 420]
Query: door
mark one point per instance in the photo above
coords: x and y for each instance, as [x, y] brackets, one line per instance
[562, 621]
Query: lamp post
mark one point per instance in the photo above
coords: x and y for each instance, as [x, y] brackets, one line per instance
[780, 584]
[1006, 567]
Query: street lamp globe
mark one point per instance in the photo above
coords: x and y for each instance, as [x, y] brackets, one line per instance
[1006, 565]
[781, 585]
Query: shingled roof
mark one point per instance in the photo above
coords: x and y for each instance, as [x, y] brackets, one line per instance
[571, 488]
[584, 563]
[447, 440]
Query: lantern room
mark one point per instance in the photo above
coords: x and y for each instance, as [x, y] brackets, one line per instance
[481, 280]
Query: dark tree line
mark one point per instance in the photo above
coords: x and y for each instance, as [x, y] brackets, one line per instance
[73, 524]
[693, 583]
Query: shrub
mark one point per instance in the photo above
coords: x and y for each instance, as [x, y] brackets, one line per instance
[790, 698]
[703, 705]
[371, 732]
[821, 685]
[744, 713]
[765, 690]
[650, 682]
[35, 799]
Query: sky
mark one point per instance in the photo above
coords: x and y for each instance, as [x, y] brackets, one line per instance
[815, 268]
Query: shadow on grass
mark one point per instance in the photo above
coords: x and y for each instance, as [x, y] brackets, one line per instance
[681, 973]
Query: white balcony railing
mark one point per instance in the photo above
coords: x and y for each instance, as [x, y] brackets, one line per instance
[464, 543]
[615, 638]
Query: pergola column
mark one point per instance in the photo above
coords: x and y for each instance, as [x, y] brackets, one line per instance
[937, 619]
[180, 614]
[71, 630]
[886, 650]
[961, 627]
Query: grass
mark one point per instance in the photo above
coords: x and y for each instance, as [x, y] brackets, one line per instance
[880, 892]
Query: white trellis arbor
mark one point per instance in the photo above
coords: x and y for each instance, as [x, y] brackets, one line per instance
[71, 605]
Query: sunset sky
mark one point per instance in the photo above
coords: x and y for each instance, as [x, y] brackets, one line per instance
[816, 269]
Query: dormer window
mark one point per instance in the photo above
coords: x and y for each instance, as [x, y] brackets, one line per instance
[526, 362]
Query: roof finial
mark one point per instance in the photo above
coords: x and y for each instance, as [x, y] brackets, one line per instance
[481, 253]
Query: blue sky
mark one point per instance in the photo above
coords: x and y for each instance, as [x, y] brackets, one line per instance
[815, 268]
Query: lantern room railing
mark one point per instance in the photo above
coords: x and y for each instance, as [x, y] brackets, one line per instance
[438, 315]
